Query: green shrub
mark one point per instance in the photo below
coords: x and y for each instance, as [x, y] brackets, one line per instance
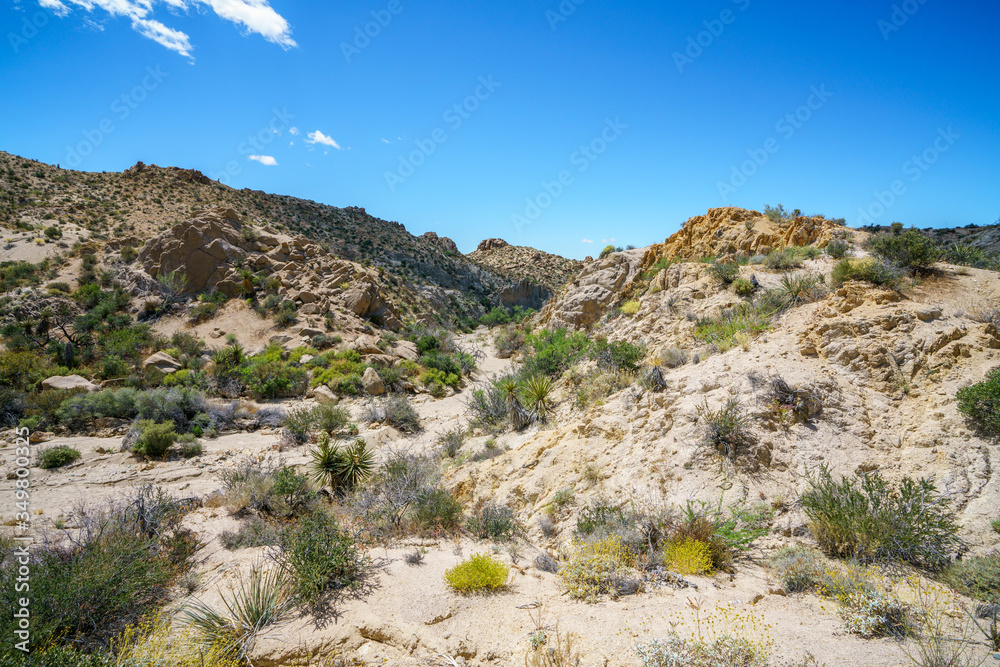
[437, 509]
[630, 307]
[868, 269]
[492, 521]
[509, 340]
[743, 287]
[868, 519]
[909, 250]
[687, 556]
[330, 418]
[727, 428]
[800, 288]
[618, 355]
[275, 379]
[496, 317]
[320, 557]
[479, 574]
[796, 567]
[838, 249]
[980, 404]
[154, 439]
[190, 447]
[396, 411]
[976, 577]
[551, 352]
[451, 441]
[725, 272]
[964, 254]
[57, 456]
[785, 259]
[608, 249]
[777, 214]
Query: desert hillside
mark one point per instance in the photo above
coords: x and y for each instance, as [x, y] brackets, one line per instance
[257, 430]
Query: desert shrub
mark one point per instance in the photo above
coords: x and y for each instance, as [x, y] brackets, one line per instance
[800, 288]
[868, 519]
[496, 317]
[724, 651]
[868, 269]
[116, 567]
[330, 418]
[488, 408]
[743, 287]
[189, 446]
[203, 311]
[747, 318]
[57, 456]
[267, 489]
[436, 509]
[980, 404]
[596, 568]
[433, 376]
[320, 557]
[254, 532]
[509, 340]
[383, 507]
[687, 556]
[785, 259]
[673, 357]
[728, 427]
[608, 249]
[909, 250]
[479, 574]
[976, 577]
[596, 385]
[274, 379]
[12, 406]
[796, 567]
[777, 214]
[724, 272]
[553, 351]
[618, 355]
[451, 441]
[395, 411]
[25, 370]
[968, 255]
[872, 613]
[261, 599]
[630, 307]
[838, 249]
[154, 438]
[492, 521]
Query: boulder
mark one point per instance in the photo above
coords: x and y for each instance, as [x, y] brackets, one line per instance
[365, 344]
[66, 382]
[372, 382]
[364, 299]
[404, 349]
[594, 291]
[162, 362]
[324, 395]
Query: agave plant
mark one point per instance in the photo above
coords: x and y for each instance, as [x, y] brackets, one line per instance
[261, 600]
[535, 392]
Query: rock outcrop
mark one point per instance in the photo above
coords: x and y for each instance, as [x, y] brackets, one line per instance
[593, 291]
[68, 382]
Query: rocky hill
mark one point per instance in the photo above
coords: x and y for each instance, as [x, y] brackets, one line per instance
[430, 277]
[520, 263]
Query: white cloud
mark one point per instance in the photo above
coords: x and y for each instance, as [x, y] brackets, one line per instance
[318, 137]
[385, 141]
[293, 130]
[586, 241]
[607, 240]
[265, 160]
[253, 16]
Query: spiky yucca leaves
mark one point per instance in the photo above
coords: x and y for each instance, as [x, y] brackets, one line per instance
[325, 462]
[535, 392]
[261, 599]
[341, 468]
[356, 464]
[800, 288]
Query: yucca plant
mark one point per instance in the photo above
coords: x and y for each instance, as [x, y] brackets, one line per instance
[326, 462]
[261, 600]
[535, 392]
[800, 288]
[356, 464]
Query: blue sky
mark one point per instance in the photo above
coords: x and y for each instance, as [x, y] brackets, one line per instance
[548, 124]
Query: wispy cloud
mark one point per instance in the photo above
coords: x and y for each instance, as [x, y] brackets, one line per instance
[253, 16]
[293, 130]
[318, 137]
[586, 241]
[607, 240]
[265, 160]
